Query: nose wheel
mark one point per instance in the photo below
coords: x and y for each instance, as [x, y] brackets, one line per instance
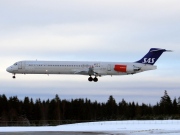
[95, 79]
[14, 76]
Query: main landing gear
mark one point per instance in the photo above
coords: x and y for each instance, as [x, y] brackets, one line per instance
[95, 79]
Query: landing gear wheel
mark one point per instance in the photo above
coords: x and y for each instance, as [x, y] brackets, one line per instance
[90, 79]
[95, 79]
[14, 77]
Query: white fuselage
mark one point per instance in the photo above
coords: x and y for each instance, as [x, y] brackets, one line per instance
[78, 67]
[92, 68]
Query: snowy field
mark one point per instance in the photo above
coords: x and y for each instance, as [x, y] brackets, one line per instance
[148, 127]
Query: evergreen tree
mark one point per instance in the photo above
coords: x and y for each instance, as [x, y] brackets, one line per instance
[3, 104]
[36, 111]
[14, 108]
[4, 110]
[111, 108]
[123, 109]
[166, 104]
[175, 106]
[27, 108]
[54, 113]
[156, 109]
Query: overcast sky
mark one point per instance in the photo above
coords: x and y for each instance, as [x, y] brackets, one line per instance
[90, 30]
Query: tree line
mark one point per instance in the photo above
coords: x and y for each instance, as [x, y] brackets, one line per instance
[55, 111]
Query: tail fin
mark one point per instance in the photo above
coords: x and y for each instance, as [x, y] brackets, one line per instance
[152, 56]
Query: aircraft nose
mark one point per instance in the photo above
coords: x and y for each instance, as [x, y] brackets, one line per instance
[8, 69]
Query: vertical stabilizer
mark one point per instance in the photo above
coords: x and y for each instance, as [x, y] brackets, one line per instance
[152, 56]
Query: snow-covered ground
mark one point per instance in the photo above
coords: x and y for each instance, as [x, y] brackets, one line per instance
[170, 127]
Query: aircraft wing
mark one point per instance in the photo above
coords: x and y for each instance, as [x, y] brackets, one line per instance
[89, 71]
[81, 72]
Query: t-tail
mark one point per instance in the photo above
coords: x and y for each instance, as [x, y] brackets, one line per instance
[152, 56]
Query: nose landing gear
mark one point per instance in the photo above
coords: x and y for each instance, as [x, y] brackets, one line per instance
[13, 76]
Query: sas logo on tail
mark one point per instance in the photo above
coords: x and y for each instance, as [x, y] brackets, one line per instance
[149, 60]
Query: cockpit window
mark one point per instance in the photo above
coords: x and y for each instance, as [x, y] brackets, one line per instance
[15, 64]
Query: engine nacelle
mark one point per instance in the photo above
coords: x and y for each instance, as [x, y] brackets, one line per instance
[129, 69]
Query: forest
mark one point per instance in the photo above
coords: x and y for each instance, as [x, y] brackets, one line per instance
[56, 111]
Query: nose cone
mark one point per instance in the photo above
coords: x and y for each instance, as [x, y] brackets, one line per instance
[8, 69]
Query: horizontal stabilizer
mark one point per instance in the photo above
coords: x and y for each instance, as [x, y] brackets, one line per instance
[156, 50]
[169, 50]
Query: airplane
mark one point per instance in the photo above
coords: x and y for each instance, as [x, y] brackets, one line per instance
[93, 68]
